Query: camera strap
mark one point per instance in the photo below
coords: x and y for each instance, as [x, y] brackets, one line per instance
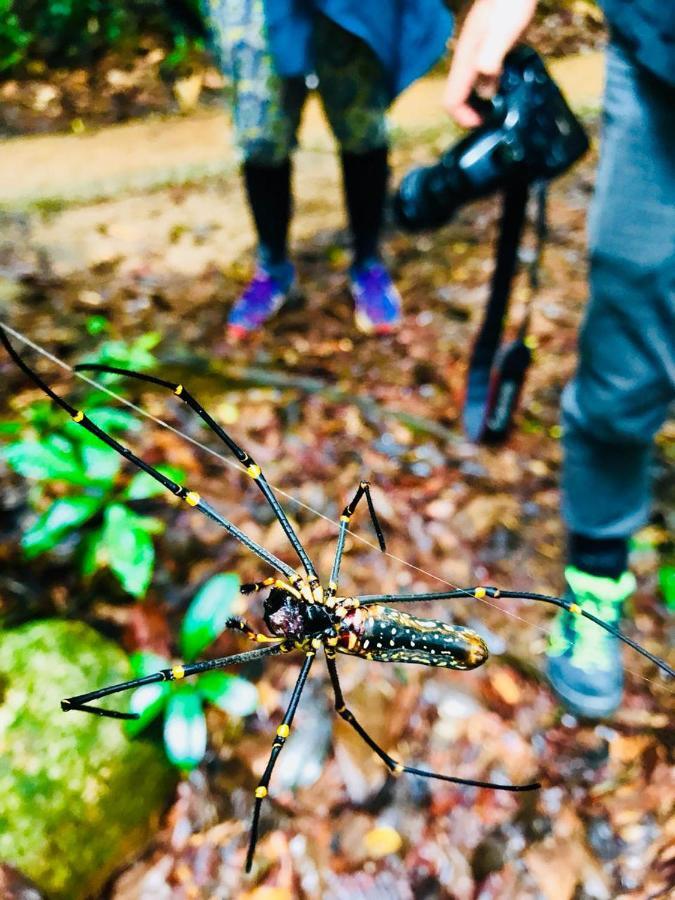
[496, 374]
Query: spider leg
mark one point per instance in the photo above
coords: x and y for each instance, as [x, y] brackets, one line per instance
[279, 741]
[175, 673]
[237, 624]
[362, 490]
[397, 768]
[494, 593]
[191, 497]
[246, 460]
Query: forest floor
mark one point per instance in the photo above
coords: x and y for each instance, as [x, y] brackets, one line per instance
[144, 224]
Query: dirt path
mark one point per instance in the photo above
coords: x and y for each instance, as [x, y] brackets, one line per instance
[157, 194]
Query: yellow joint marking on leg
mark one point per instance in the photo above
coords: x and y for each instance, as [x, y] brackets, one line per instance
[332, 642]
[364, 484]
[316, 643]
[397, 770]
[253, 470]
[178, 672]
[306, 593]
[283, 731]
[479, 593]
[330, 654]
[269, 581]
[351, 643]
[340, 709]
[575, 608]
[261, 791]
[340, 612]
[330, 603]
[178, 390]
[192, 498]
[317, 593]
[79, 415]
[344, 518]
[355, 603]
[332, 585]
[264, 639]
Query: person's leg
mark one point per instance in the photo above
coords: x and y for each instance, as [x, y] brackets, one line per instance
[266, 112]
[355, 97]
[625, 380]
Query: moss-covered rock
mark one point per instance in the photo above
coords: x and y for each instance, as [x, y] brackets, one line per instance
[77, 797]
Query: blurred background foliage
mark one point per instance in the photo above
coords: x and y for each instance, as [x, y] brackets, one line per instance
[65, 33]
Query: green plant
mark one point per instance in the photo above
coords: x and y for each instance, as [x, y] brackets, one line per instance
[72, 32]
[78, 494]
[183, 702]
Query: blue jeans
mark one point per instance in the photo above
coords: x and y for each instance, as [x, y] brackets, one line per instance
[625, 381]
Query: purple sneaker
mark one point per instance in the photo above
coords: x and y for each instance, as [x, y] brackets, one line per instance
[378, 303]
[263, 296]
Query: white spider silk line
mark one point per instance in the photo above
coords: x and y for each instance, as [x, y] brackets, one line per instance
[235, 465]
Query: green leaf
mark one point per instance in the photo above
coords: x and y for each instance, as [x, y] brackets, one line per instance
[148, 701]
[206, 615]
[53, 525]
[143, 486]
[130, 551]
[101, 463]
[185, 728]
[96, 325]
[10, 429]
[92, 553]
[667, 585]
[110, 418]
[235, 695]
[52, 458]
[136, 355]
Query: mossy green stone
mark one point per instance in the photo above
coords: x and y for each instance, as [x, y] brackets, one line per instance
[77, 797]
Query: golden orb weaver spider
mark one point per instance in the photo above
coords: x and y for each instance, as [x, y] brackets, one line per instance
[303, 615]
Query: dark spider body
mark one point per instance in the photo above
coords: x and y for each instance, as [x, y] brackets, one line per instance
[290, 617]
[375, 632]
[302, 615]
[384, 634]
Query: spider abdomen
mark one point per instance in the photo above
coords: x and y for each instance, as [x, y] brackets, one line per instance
[389, 635]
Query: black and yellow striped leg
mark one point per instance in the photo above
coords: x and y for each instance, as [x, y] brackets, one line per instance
[493, 593]
[191, 497]
[237, 624]
[175, 673]
[251, 467]
[253, 586]
[397, 768]
[282, 733]
[347, 513]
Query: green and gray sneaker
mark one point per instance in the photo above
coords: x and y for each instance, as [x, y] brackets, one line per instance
[583, 660]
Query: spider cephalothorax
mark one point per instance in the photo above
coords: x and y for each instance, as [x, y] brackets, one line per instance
[301, 615]
[290, 616]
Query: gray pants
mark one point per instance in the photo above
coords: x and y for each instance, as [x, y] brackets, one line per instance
[625, 380]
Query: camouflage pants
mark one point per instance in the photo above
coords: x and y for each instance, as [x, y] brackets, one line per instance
[267, 109]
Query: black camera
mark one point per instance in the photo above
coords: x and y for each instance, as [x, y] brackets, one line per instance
[528, 133]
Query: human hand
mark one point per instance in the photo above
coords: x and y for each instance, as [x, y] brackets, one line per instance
[489, 31]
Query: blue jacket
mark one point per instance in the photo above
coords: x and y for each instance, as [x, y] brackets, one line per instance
[647, 28]
[408, 36]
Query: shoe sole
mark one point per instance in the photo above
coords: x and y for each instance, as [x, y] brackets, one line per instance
[237, 333]
[367, 326]
[581, 705]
